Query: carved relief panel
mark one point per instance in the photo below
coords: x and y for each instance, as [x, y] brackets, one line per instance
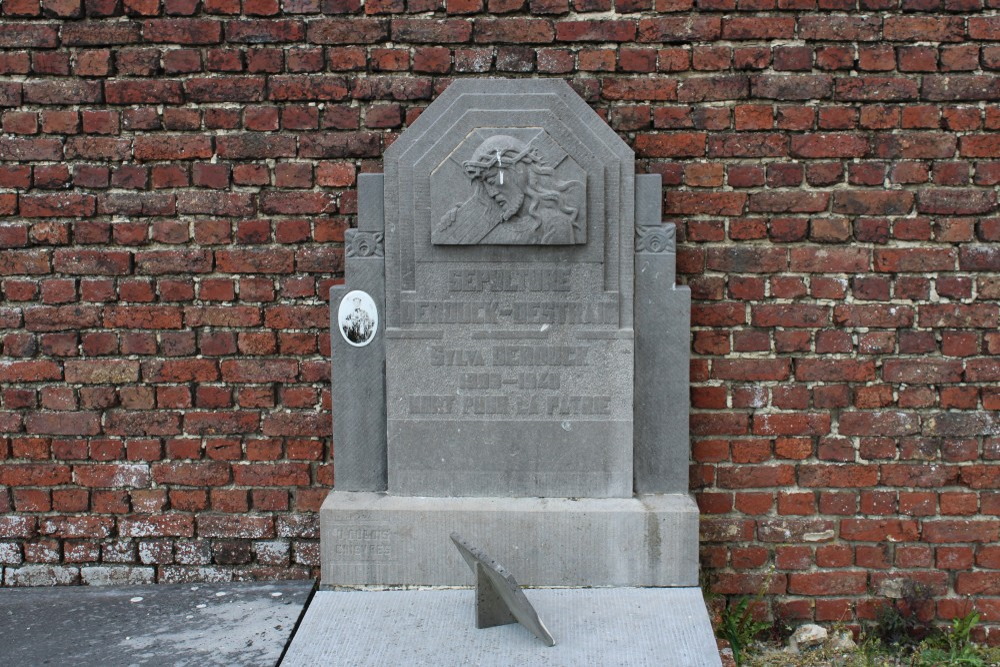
[509, 186]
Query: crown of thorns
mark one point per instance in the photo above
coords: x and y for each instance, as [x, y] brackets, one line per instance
[486, 157]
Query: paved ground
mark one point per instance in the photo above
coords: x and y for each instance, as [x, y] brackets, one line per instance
[169, 624]
[262, 624]
[630, 627]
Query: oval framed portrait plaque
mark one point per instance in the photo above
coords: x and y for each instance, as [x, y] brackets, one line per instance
[357, 318]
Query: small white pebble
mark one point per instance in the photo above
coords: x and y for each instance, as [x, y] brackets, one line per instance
[136, 599]
[189, 616]
[276, 595]
[201, 606]
[220, 594]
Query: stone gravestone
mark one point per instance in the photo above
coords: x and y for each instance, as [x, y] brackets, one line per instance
[510, 356]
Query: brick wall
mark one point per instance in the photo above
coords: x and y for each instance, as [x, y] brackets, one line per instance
[176, 177]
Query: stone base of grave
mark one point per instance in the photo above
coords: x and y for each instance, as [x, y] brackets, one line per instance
[377, 539]
[654, 627]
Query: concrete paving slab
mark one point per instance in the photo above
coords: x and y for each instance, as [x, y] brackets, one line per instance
[166, 624]
[591, 626]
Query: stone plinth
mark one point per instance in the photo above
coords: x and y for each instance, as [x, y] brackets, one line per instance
[387, 540]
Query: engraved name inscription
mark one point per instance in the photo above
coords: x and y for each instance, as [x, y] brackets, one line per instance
[521, 312]
[512, 355]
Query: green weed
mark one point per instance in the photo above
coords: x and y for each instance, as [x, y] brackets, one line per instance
[739, 628]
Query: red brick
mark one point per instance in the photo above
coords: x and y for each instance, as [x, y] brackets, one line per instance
[247, 527]
[924, 28]
[163, 525]
[829, 145]
[182, 31]
[143, 92]
[680, 29]
[62, 423]
[172, 147]
[192, 474]
[840, 28]
[272, 474]
[822, 584]
[595, 31]
[963, 531]
[879, 423]
[678, 144]
[871, 88]
[871, 202]
[265, 31]
[639, 89]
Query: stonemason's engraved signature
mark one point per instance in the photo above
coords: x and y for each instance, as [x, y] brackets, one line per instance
[516, 200]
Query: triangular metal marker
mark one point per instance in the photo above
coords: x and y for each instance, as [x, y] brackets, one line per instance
[499, 598]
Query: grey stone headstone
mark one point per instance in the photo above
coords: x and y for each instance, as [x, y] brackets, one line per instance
[527, 380]
[509, 288]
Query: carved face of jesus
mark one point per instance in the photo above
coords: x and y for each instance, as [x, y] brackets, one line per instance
[505, 187]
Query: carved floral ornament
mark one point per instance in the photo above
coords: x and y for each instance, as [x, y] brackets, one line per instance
[365, 244]
[655, 239]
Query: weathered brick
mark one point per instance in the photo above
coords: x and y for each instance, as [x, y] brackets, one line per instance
[163, 525]
[31, 35]
[924, 28]
[182, 31]
[143, 317]
[956, 201]
[265, 31]
[99, 33]
[595, 31]
[881, 423]
[680, 29]
[29, 371]
[232, 525]
[758, 28]
[311, 87]
[225, 89]
[143, 92]
[875, 88]
[348, 31]
[102, 371]
[829, 145]
[431, 31]
[514, 30]
[61, 92]
[93, 262]
[62, 423]
[172, 147]
[871, 202]
[845, 28]
[112, 475]
[57, 205]
[216, 203]
[752, 144]
[960, 87]
[255, 146]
